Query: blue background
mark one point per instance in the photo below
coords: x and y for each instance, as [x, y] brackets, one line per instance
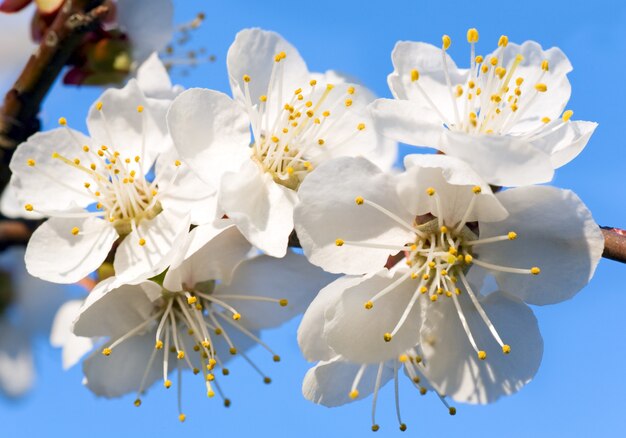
[578, 390]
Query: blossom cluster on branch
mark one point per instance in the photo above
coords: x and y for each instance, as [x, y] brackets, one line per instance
[184, 204]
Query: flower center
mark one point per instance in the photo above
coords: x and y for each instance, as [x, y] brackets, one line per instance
[439, 256]
[292, 131]
[194, 318]
[494, 97]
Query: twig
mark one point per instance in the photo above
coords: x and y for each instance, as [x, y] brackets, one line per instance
[614, 244]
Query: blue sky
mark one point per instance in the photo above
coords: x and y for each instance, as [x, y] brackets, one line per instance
[577, 391]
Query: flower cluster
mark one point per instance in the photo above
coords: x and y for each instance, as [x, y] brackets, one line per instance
[186, 203]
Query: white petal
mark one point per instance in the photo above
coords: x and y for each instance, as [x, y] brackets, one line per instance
[551, 103]
[566, 142]
[17, 370]
[311, 338]
[452, 365]
[55, 254]
[453, 181]
[252, 53]
[187, 193]
[153, 78]
[11, 206]
[122, 128]
[329, 383]
[112, 310]
[327, 211]
[291, 277]
[556, 233]
[428, 61]
[147, 32]
[51, 185]
[212, 253]
[407, 122]
[74, 347]
[261, 209]
[357, 333]
[162, 234]
[210, 132]
[122, 371]
[503, 160]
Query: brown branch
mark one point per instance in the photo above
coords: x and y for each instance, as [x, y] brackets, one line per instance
[614, 244]
[19, 112]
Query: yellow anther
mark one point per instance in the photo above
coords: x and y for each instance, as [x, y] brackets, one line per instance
[276, 358]
[423, 391]
[28, 207]
[326, 113]
[339, 242]
[351, 90]
[443, 229]
[180, 354]
[212, 363]
[402, 427]
[417, 359]
[298, 91]
[353, 394]
[307, 165]
[211, 393]
[218, 331]
[448, 293]
[98, 206]
[275, 139]
[142, 241]
[330, 86]
[443, 272]
[459, 91]
[452, 410]
[137, 402]
[290, 170]
[283, 302]
[512, 235]
[468, 259]
[403, 358]
[30, 162]
[177, 163]
[368, 305]
[125, 180]
[545, 65]
[99, 106]
[445, 42]
[92, 166]
[457, 291]
[542, 88]
[500, 72]
[236, 316]
[423, 289]
[387, 337]
[62, 121]
[471, 85]
[484, 69]
[425, 277]
[246, 78]
[375, 427]
[100, 153]
[477, 190]
[182, 418]
[472, 35]
[503, 41]
[263, 98]
[232, 350]
[482, 355]
[415, 75]
[167, 383]
[106, 351]
[312, 82]
[267, 380]
[360, 126]
[348, 102]
[308, 104]
[479, 59]
[535, 270]
[433, 298]
[225, 371]
[210, 377]
[154, 192]
[158, 345]
[192, 300]
[506, 349]
[280, 56]
[310, 113]
[75, 231]
[416, 379]
[139, 108]
[431, 265]
[452, 250]
[546, 120]
[496, 98]
[359, 200]
[493, 61]
[430, 191]
[567, 115]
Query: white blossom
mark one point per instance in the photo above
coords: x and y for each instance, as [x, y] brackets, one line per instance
[505, 115]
